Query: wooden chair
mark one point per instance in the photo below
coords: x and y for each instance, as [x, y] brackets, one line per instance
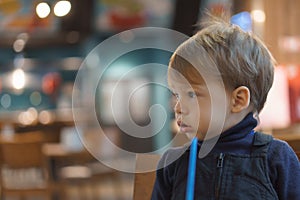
[144, 181]
[78, 169]
[23, 171]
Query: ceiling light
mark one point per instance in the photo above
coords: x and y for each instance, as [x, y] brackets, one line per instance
[18, 79]
[62, 8]
[42, 10]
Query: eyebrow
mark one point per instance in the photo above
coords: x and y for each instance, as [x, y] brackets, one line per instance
[199, 86]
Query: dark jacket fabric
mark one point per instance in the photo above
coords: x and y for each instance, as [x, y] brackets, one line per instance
[244, 164]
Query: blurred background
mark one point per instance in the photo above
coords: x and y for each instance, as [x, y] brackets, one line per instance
[42, 46]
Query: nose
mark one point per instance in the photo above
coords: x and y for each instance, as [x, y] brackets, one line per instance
[179, 108]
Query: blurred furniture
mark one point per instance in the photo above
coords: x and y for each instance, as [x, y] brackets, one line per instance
[23, 170]
[77, 168]
[145, 176]
[50, 121]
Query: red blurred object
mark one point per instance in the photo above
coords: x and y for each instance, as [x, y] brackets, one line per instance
[294, 92]
[50, 83]
[124, 21]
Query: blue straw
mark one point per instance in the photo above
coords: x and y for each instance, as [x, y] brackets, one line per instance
[191, 171]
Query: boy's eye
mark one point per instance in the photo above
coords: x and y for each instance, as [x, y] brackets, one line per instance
[192, 94]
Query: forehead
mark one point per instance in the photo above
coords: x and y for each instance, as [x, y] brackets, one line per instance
[186, 76]
[180, 84]
[179, 71]
[183, 84]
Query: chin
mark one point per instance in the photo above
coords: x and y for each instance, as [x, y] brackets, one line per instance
[190, 136]
[200, 136]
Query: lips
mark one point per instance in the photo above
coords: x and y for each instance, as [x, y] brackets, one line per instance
[183, 128]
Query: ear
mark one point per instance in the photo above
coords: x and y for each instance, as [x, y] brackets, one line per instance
[240, 99]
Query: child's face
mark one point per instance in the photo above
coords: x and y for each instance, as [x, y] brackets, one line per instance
[193, 108]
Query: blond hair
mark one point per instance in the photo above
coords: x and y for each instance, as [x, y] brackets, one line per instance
[241, 58]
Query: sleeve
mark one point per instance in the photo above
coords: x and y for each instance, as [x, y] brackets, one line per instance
[284, 168]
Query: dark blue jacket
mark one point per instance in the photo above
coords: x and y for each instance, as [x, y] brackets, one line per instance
[252, 168]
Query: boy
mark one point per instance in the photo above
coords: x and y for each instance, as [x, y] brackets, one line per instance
[221, 77]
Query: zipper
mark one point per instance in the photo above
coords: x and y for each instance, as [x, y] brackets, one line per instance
[219, 174]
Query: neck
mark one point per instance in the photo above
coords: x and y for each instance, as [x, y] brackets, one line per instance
[235, 118]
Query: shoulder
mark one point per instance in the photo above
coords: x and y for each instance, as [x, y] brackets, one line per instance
[278, 146]
[280, 153]
[284, 169]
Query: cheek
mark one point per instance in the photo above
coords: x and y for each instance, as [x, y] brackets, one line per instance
[204, 106]
[198, 109]
[205, 110]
